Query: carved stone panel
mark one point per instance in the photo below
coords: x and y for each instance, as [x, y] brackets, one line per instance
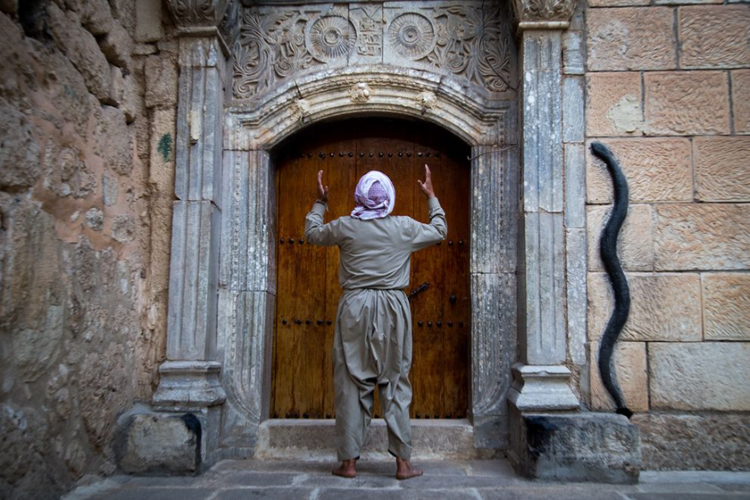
[468, 42]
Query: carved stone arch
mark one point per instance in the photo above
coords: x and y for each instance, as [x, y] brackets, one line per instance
[382, 90]
[247, 269]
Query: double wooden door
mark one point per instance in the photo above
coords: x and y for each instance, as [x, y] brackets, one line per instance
[308, 289]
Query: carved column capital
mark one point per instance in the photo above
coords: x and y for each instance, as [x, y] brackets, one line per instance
[206, 18]
[543, 14]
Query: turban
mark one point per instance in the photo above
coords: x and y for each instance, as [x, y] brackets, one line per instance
[375, 196]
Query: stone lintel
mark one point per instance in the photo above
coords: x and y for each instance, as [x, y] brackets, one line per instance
[542, 388]
[186, 385]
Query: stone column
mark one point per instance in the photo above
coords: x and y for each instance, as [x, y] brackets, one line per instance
[549, 437]
[541, 381]
[189, 377]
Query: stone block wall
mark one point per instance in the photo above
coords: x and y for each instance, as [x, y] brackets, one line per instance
[667, 87]
[87, 100]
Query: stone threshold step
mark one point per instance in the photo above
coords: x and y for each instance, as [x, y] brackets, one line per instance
[315, 440]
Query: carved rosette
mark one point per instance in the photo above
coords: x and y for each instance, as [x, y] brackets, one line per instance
[412, 35]
[330, 38]
[543, 14]
[467, 40]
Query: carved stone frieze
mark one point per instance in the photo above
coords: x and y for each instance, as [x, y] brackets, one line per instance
[543, 14]
[466, 41]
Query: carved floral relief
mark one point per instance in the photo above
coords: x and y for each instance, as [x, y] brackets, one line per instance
[466, 40]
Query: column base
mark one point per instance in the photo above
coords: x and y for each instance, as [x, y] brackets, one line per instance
[186, 385]
[591, 447]
[542, 388]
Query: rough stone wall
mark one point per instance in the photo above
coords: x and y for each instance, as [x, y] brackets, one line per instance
[667, 88]
[87, 100]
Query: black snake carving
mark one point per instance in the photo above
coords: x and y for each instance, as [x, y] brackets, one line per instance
[608, 251]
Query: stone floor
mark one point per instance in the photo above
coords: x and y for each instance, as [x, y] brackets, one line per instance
[476, 480]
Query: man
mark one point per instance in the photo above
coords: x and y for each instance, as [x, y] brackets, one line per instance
[372, 342]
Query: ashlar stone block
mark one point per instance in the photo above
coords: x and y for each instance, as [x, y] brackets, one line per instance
[613, 104]
[631, 372]
[686, 103]
[700, 376]
[664, 307]
[741, 100]
[701, 237]
[726, 306]
[631, 39]
[714, 36]
[656, 170]
[635, 243]
[694, 442]
[722, 168]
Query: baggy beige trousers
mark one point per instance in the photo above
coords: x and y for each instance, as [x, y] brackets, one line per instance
[372, 347]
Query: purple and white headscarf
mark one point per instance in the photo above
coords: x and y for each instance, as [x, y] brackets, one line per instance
[375, 196]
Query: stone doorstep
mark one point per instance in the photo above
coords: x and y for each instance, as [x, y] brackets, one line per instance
[311, 440]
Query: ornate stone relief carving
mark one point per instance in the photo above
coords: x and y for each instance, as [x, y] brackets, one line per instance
[543, 13]
[360, 92]
[197, 13]
[466, 41]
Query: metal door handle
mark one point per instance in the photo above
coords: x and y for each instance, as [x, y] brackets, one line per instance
[421, 288]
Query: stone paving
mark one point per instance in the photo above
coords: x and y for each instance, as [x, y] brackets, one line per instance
[451, 480]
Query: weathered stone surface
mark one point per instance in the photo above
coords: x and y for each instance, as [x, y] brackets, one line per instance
[705, 237]
[635, 244]
[613, 104]
[123, 228]
[96, 16]
[66, 173]
[618, 3]
[726, 306]
[544, 297]
[573, 104]
[575, 241]
[631, 39]
[316, 438]
[110, 189]
[722, 168]
[542, 117]
[576, 447]
[573, 59]
[695, 442]
[741, 100]
[656, 170]
[161, 81]
[95, 219]
[81, 48]
[686, 103]
[664, 307]
[117, 46]
[575, 185]
[631, 372]
[714, 36]
[20, 164]
[148, 21]
[161, 443]
[699, 376]
[118, 155]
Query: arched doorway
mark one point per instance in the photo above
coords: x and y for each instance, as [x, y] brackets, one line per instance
[307, 276]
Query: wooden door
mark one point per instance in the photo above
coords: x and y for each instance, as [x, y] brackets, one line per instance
[308, 288]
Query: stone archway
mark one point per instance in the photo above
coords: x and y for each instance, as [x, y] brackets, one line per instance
[247, 274]
[221, 278]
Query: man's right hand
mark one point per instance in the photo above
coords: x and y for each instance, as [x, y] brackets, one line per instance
[322, 190]
[426, 186]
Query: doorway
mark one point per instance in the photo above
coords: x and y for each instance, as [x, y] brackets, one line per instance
[307, 276]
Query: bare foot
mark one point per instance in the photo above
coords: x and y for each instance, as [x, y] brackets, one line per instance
[404, 470]
[347, 469]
